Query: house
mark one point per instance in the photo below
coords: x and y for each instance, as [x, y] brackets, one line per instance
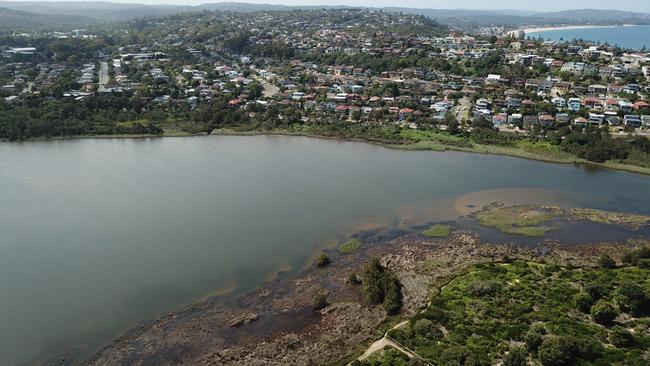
[641, 106]
[574, 104]
[546, 120]
[597, 89]
[596, 119]
[626, 107]
[632, 121]
[559, 102]
[562, 119]
[515, 119]
[500, 119]
[529, 121]
[493, 79]
[580, 122]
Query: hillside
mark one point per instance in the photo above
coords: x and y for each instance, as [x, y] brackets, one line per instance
[17, 20]
[94, 11]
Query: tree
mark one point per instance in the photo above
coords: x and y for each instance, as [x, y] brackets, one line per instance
[380, 286]
[603, 312]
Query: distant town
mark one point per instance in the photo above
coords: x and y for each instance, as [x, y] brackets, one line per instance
[324, 70]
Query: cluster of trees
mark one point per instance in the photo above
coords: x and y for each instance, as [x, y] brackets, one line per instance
[381, 286]
[596, 144]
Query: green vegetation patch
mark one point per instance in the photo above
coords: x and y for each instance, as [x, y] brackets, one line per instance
[350, 246]
[606, 217]
[519, 220]
[528, 313]
[437, 231]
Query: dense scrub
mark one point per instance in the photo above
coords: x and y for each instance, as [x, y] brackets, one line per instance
[524, 312]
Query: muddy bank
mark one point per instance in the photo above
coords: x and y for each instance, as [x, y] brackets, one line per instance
[277, 324]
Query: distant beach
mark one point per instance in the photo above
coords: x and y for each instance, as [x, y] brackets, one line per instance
[565, 27]
[627, 35]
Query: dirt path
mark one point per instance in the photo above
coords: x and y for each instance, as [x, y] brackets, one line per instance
[386, 341]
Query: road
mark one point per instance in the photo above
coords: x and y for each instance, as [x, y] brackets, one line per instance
[270, 90]
[103, 74]
[465, 105]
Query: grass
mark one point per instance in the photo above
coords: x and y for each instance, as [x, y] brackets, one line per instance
[518, 220]
[350, 246]
[437, 231]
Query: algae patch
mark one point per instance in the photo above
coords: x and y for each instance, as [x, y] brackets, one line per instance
[519, 220]
[350, 247]
[437, 231]
[609, 218]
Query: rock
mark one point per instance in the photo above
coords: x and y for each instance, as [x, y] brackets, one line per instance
[244, 319]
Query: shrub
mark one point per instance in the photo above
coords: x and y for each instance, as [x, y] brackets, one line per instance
[534, 337]
[583, 301]
[483, 288]
[606, 262]
[631, 297]
[323, 260]
[621, 337]
[423, 326]
[320, 301]
[603, 312]
[596, 291]
[556, 351]
[516, 357]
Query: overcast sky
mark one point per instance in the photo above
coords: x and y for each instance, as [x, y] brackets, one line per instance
[540, 5]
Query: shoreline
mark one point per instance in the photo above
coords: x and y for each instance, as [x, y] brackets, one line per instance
[565, 27]
[416, 145]
[215, 332]
[475, 149]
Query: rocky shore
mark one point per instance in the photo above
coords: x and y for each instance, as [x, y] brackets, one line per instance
[277, 324]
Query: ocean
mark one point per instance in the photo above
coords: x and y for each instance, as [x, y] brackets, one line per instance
[631, 37]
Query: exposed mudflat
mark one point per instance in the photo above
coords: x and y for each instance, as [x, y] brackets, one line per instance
[277, 324]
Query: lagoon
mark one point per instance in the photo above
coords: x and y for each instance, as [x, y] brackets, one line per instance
[98, 235]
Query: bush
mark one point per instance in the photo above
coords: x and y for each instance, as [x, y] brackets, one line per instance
[583, 301]
[556, 351]
[621, 337]
[516, 357]
[631, 297]
[323, 260]
[596, 291]
[633, 257]
[320, 301]
[534, 337]
[603, 312]
[606, 262]
[483, 288]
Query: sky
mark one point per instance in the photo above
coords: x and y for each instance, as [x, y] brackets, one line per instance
[538, 5]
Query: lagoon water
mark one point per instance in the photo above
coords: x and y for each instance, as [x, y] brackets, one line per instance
[632, 37]
[98, 235]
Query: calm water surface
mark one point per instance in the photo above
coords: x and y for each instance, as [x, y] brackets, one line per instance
[634, 37]
[98, 235]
